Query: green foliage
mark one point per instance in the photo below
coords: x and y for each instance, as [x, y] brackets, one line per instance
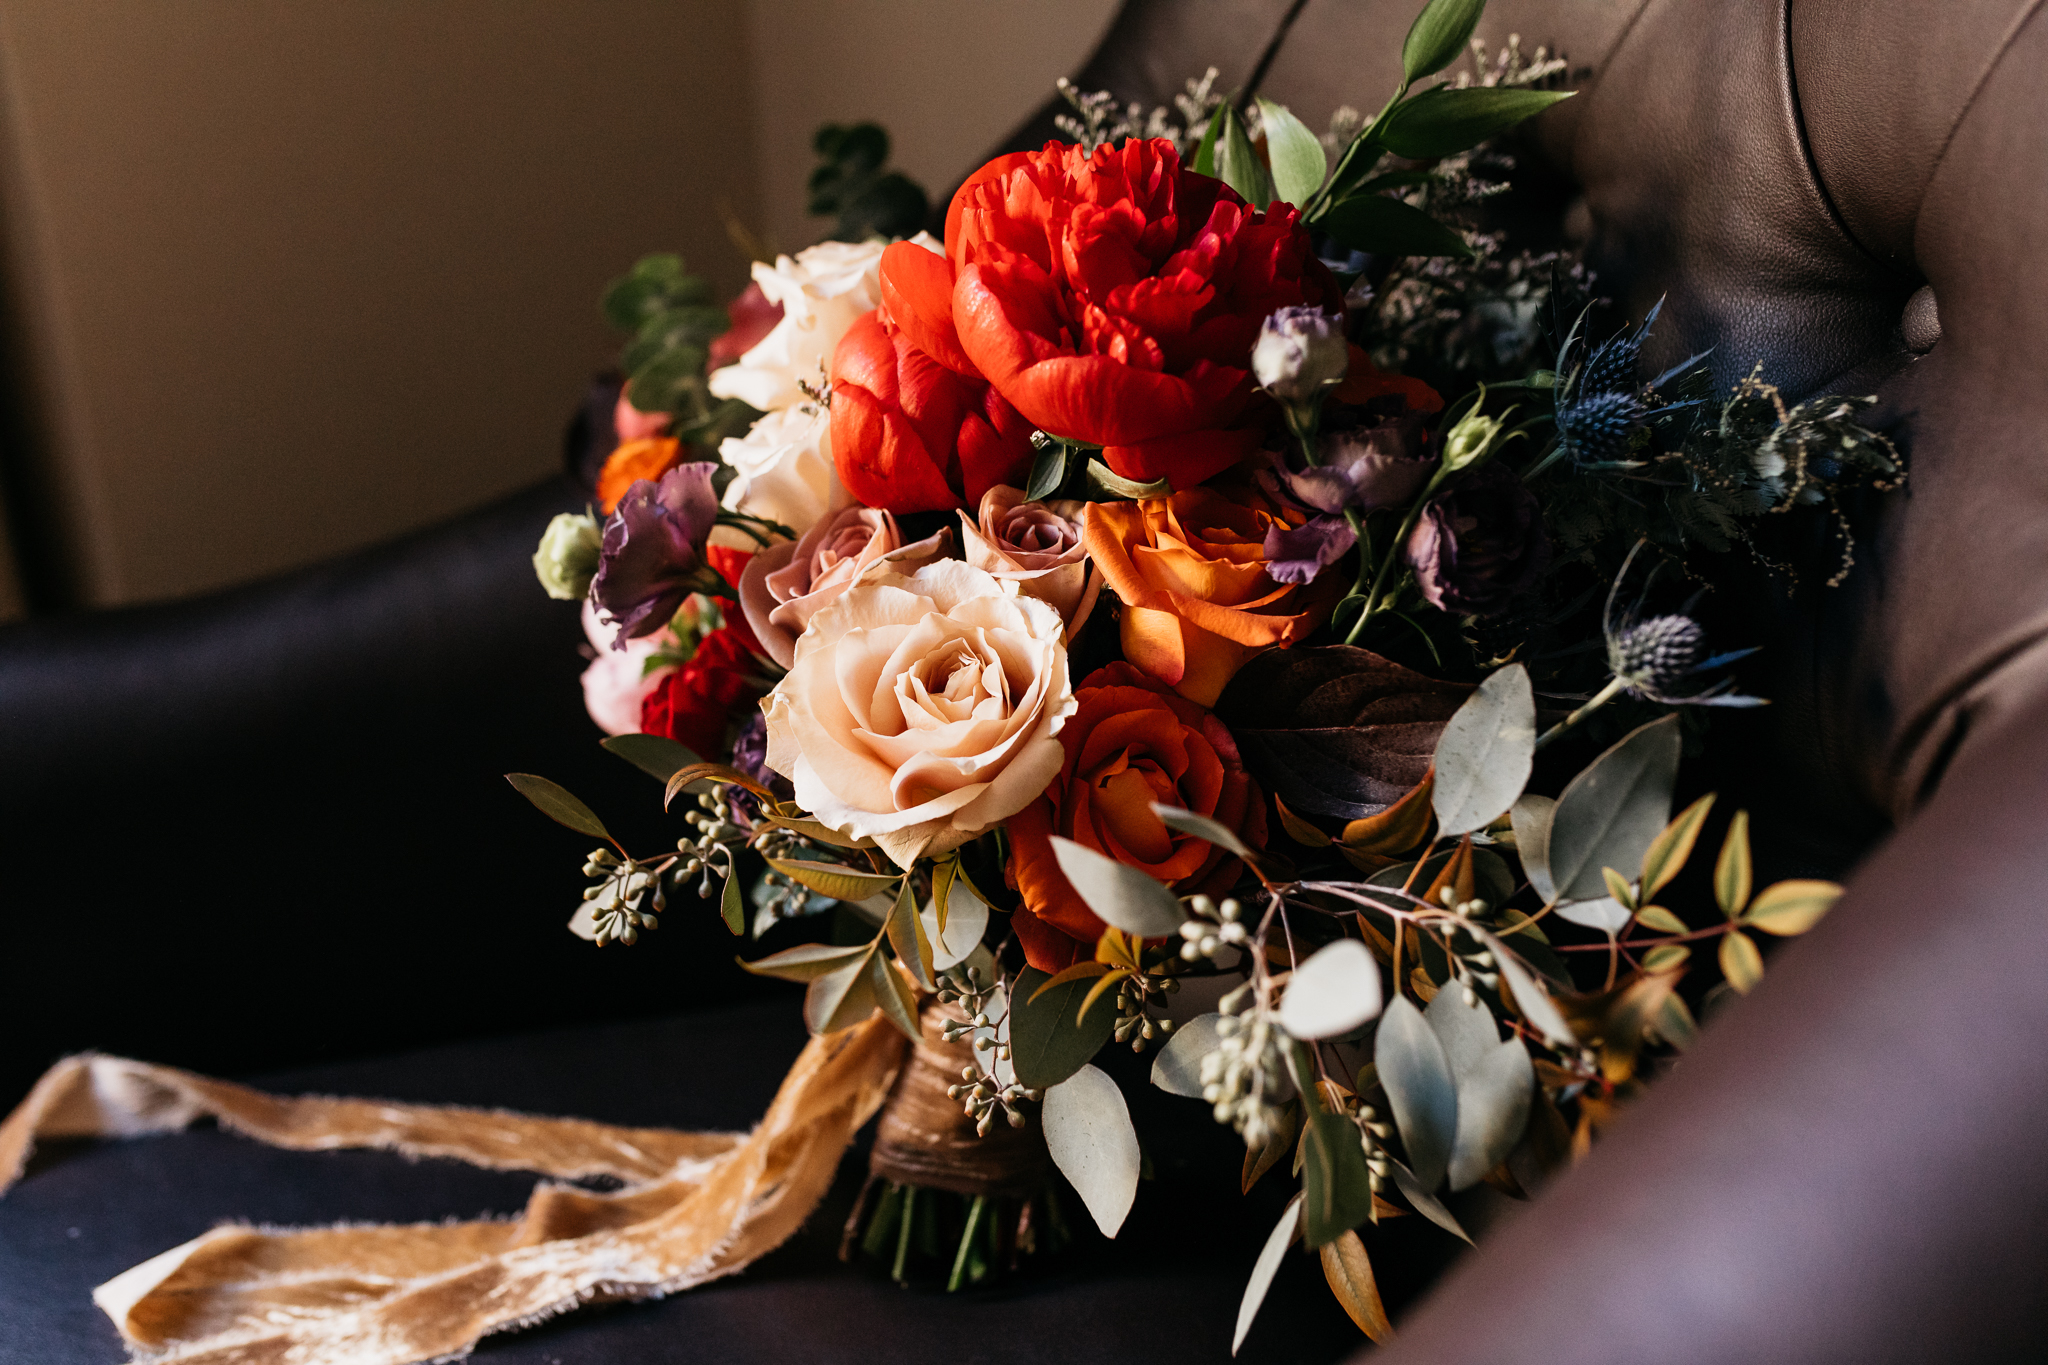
[1449, 119]
[852, 185]
[1049, 1040]
[1438, 36]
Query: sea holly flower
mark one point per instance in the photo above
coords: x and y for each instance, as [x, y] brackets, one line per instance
[1654, 657]
[1600, 407]
[652, 556]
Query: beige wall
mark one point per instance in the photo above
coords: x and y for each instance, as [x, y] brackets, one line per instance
[294, 278]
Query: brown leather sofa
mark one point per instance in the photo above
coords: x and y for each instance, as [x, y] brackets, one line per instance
[1854, 192]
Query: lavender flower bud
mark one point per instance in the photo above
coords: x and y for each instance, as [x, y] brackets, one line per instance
[1300, 351]
[567, 558]
[1468, 441]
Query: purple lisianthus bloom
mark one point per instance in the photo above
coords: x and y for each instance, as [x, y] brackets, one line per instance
[750, 755]
[1479, 543]
[652, 557]
[1364, 468]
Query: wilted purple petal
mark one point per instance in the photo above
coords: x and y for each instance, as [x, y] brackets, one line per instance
[1479, 543]
[1386, 465]
[1297, 555]
[652, 556]
[1323, 488]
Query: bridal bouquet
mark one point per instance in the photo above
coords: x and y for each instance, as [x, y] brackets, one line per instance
[1212, 600]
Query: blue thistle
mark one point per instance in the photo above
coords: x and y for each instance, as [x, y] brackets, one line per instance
[1600, 406]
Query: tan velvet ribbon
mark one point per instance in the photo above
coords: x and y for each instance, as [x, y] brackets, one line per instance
[695, 1206]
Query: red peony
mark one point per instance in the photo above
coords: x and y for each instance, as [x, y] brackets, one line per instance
[697, 703]
[910, 434]
[1111, 298]
[1129, 743]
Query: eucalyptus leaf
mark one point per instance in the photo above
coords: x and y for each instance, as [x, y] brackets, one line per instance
[1604, 913]
[1088, 1132]
[1438, 36]
[1610, 813]
[1238, 165]
[1484, 755]
[656, 755]
[1417, 1078]
[1349, 1271]
[1449, 120]
[1119, 895]
[966, 922]
[1425, 1203]
[830, 879]
[1388, 227]
[1047, 1041]
[1336, 1184]
[1201, 827]
[1531, 999]
[1531, 817]
[1299, 162]
[1333, 992]
[1178, 1068]
[1495, 1082]
[558, 804]
[1264, 1269]
[1791, 907]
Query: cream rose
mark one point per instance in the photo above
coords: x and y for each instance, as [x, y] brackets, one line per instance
[822, 289]
[922, 710]
[1037, 546]
[785, 585]
[784, 468]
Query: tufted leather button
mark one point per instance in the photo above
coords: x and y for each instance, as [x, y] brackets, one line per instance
[1921, 322]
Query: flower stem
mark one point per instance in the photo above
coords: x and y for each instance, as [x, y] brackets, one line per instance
[1378, 589]
[966, 1243]
[1595, 702]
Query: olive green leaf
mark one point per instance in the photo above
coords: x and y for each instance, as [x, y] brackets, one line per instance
[656, 755]
[1791, 907]
[1669, 851]
[1732, 870]
[1611, 812]
[1449, 120]
[843, 996]
[1201, 827]
[1384, 226]
[805, 962]
[829, 879]
[1417, 1078]
[1495, 1082]
[1741, 963]
[1438, 36]
[730, 906]
[1299, 162]
[1238, 165]
[558, 804]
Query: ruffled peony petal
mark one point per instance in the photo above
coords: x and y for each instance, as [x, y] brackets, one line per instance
[917, 299]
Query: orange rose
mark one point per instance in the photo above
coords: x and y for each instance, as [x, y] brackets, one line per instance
[1130, 743]
[1191, 570]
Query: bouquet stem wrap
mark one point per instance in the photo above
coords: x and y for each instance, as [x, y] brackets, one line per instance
[695, 1206]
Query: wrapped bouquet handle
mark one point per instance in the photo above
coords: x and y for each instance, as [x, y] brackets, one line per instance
[694, 1207]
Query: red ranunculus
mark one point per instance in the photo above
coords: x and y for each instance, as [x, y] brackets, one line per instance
[910, 434]
[1111, 298]
[697, 704]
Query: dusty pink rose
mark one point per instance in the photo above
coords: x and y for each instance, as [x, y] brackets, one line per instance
[1037, 546]
[785, 585]
[631, 424]
[923, 709]
[617, 681]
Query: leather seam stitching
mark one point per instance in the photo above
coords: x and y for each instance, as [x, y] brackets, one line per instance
[1955, 125]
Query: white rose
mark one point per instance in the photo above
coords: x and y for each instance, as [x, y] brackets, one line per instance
[922, 710]
[822, 289]
[784, 465]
